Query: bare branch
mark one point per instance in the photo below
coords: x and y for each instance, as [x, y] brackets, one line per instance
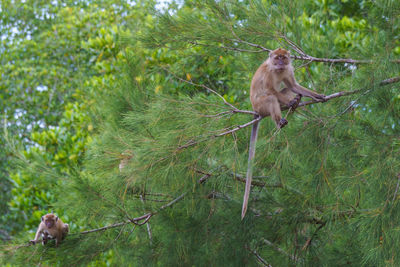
[261, 260]
[239, 127]
[303, 56]
[389, 81]
[329, 97]
[331, 60]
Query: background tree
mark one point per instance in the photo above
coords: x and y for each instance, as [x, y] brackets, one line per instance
[55, 57]
[165, 172]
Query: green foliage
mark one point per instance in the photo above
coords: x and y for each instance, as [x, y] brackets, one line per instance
[326, 189]
[50, 74]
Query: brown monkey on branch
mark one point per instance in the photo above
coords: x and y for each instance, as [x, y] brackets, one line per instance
[267, 98]
[51, 227]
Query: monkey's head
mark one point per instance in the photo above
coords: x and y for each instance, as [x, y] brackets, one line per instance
[49, 220]
[280, 59]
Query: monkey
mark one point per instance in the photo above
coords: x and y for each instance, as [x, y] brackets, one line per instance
[51, 227]
[266, 100]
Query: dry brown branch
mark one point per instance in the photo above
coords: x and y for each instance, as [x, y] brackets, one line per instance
[389, 81]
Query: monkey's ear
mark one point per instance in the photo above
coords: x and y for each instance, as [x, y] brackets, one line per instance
[42, 218]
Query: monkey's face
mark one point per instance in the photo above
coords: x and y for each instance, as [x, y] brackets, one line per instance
[280, 59]
[49, 220]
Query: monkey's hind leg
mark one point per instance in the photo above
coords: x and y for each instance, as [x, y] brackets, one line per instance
[274, 109]
[293, 104]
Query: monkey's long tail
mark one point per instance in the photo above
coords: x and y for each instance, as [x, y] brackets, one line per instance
[249, 175]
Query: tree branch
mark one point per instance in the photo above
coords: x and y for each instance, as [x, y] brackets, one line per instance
[303, 56]
[137, 221]
[308, 242]
[261, 260]
[237, 128]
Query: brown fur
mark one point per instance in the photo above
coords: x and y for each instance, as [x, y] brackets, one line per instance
[267, 98]
[51, 227]
[265, 94]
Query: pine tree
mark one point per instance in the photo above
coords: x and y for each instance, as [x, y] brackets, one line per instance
[165, 174]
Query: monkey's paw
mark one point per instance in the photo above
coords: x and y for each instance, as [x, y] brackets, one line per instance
[282, 123]
[294, 102]
[320, 98]
[33, 242]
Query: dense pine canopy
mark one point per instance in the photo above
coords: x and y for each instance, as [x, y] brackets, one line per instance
[131, 121]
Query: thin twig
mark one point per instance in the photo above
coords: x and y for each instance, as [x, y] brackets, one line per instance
[241, 50]
[261, 260]
[293, 45]
[148, 226]
[104, 228]
[397, 187]
[303, 56]
[201, 85]
[269, 243]
[251, 44]
[194, 142]
[308, 242]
